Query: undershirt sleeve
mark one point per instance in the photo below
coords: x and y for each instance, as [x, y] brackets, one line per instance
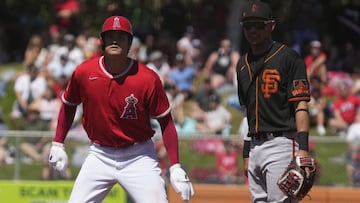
[170, 138]
[65, 120]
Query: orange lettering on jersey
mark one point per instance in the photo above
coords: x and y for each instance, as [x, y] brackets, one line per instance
[300, 87]
[130, 108]
[270, 79]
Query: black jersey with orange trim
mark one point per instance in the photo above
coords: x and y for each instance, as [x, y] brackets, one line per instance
[268, 84]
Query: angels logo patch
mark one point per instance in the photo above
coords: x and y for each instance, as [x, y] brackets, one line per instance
[300, 87]
[130, 111]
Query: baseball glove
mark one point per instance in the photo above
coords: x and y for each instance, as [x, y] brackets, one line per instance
[296, 182]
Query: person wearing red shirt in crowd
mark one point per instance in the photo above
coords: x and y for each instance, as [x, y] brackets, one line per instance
[316, 62]
[66, 11]
[119, 96]
[227, 162]
[344, 109]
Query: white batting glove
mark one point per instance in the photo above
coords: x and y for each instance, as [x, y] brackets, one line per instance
[180, 182]
[58, 158]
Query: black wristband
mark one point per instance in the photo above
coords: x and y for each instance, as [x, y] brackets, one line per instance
[246, 149]
[303, 140]
[297, 110]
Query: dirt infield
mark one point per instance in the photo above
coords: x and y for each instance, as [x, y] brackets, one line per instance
[239, 194]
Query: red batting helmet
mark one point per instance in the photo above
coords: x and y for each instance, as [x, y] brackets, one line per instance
[117, 23]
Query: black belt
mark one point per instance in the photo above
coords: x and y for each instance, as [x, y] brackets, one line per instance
[265, 136]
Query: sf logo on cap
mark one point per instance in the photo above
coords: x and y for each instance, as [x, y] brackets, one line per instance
[116, 23]
[253, 8]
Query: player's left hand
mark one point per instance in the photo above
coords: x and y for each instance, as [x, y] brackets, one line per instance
[180, 182]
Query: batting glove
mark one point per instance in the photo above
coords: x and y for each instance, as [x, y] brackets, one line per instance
[58, 158]
[180, 182]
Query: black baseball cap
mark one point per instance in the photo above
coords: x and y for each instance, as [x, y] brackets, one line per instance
[256, 10]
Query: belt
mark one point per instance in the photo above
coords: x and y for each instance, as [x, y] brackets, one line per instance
[265, 136]
[124, 146]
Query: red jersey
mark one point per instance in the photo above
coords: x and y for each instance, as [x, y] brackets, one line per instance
[309, 59]
[347, 107]
[227, 161]
[117, 109]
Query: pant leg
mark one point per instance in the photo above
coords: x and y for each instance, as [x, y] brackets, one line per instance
[93, 182]
[268, 160]
[141, 178]
[256, 180]
[279, 159]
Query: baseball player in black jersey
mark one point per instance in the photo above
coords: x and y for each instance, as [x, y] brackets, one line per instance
[273, 87]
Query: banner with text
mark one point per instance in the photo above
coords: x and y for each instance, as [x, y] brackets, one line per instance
[48, 192]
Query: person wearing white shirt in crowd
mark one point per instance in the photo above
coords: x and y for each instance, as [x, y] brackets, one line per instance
[66, 58]
[28, 87]
[159, 64]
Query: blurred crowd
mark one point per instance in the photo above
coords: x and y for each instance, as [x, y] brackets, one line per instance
[200, 84]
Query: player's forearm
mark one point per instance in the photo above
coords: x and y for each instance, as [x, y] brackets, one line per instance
[302, 117]
[65, 120]
[170, 138]
[302, 125]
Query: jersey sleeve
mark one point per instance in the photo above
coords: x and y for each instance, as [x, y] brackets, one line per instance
[239, 67]
[297, 78]
[158, 101]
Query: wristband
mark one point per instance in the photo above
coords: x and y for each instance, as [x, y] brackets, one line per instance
[246, 149]
[303, 140]
[297, 110]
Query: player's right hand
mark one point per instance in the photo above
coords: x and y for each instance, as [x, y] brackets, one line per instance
[180, 182]
[58, 158]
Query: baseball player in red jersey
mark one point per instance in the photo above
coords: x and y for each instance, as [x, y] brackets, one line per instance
[273, 86]
[119, 96]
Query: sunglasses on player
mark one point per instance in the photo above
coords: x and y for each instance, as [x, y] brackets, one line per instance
[259, 24]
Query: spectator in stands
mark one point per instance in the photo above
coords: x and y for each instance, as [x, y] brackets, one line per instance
[65, 59]
[67, 12]
[4, 151]
[355, 89]
[88, 43]
[353, 141]
[317, 106]
[316, 62]
[146, 47]
[176, 100]
[135, 48]
[28, 87]
[54, 40]
[37, 148]
[221, 65]
[183, 76]
[344, 109]
[200, 104]
[158, 63]
[185, 46]
[227, 162]
[49, 106]
[216, 120]
[36, 53]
